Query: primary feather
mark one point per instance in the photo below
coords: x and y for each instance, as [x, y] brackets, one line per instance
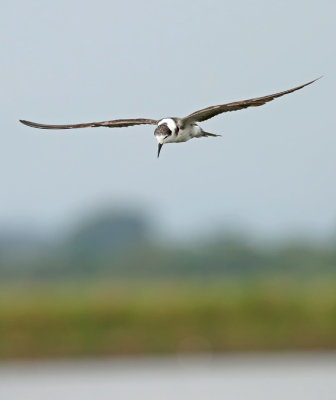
[212, 111]
[116, 123]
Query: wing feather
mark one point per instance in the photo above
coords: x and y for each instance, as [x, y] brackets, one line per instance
[212, 111]
[117, 123]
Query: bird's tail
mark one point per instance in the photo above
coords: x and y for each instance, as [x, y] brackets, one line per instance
[206, 134]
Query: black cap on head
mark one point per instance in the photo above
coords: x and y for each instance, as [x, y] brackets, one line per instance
[162, 130]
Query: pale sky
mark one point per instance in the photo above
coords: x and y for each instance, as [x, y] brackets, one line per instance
[272, 172]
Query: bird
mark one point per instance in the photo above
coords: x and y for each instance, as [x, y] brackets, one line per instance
[177, 130]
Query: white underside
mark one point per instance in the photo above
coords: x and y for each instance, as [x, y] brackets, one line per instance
[183, 135]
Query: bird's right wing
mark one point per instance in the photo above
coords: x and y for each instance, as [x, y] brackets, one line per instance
[116, 123]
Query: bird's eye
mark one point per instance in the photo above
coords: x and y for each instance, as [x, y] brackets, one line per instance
[167, 131]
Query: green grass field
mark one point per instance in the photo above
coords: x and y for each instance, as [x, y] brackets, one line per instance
[128, 318]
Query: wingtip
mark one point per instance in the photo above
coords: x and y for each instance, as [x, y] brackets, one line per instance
[33, 124]
[316, 79]
[24, 122]
[310, 82]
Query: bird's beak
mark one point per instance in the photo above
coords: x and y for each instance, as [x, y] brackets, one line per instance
[159, 148]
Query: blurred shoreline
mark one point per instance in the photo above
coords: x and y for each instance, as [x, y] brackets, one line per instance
[166, 318]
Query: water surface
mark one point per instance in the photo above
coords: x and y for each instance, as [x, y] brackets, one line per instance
[288, 376]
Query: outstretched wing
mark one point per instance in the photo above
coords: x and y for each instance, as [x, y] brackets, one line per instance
[116, 123]
[209, 112]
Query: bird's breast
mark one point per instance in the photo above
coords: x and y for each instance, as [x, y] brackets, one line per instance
[185, 134]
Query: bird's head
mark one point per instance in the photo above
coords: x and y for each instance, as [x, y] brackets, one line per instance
[162, 133]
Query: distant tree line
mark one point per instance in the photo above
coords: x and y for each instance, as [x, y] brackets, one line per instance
[124, 245]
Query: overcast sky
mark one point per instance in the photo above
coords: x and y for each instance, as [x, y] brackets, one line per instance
[273, 171]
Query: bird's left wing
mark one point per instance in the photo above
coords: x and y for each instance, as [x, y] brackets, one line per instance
[116, 123]
[212, 111]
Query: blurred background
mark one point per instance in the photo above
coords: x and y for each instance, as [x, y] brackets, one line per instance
[210, 272]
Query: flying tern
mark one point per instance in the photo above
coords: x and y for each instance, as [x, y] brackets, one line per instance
[177, 130]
